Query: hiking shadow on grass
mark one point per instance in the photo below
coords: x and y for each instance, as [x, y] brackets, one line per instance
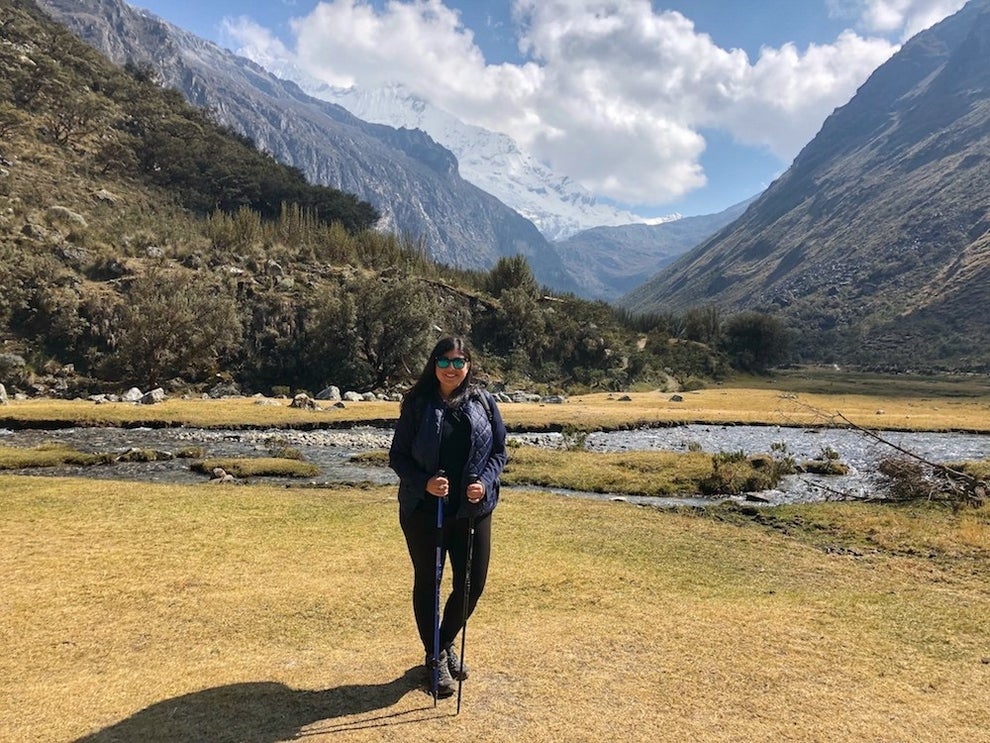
[255, 712]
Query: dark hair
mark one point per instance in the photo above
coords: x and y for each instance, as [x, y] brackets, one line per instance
[428, 384]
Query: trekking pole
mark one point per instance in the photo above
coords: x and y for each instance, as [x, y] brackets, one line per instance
[436, 612]
[467, 594]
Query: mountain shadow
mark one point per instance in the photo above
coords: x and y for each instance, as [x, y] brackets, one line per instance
[256, 712]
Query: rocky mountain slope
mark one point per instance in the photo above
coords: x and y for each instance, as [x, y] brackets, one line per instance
[558, 206]
[874, 244]
[410, 179]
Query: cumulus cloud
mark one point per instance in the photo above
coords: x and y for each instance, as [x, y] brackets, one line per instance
[613, 93]
[906, 17]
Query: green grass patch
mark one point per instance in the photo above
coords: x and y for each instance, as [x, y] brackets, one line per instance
[48, 455]
[257, 467]
[650, 473]
[826, 380]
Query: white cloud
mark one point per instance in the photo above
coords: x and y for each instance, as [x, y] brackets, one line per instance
[781, 101]
[906, 17]
[253, 41]
[615, 94]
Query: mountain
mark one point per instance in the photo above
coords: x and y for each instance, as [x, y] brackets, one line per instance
[494, 162]
[607, 262]
[410, 179]
[874, 244]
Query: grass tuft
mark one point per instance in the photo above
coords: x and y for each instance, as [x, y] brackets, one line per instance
[257, 467]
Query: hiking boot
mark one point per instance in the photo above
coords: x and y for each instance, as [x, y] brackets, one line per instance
[446, 686]
[457, 668]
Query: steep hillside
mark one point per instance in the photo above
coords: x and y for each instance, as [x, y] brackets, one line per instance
[873, 245]
[607, 262]
[412, 181]
[142, 244]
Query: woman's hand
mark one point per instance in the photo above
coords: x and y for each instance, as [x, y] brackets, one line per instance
[475, 491]
[438, 486]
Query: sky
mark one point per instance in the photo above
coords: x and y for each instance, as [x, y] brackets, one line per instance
[686, 106]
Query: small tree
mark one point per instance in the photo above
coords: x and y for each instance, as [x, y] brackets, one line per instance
[70, 115]
[175, 323]
[390, 326]
[512, 273]
[754, 341]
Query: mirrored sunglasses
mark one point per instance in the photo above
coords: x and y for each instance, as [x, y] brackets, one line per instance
[457, 363]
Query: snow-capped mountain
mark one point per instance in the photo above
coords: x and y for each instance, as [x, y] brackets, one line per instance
[493, 162]
[411, 180]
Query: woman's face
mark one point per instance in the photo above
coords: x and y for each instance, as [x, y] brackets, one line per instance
[449, 375]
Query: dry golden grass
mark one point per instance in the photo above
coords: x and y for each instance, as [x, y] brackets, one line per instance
[725, 404]
[232, 412]
[180, 614]
[654, 473]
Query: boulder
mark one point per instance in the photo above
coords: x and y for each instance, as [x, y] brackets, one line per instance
[155, 395]
[221, 476]
[64, 214]
[224, 389]
[132, 395]
[304, 401]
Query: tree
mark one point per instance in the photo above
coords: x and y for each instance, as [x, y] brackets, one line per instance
[176, 323]
[703, 325]
[512, 272]
[394, 327]
[755, 341]
[71, 114]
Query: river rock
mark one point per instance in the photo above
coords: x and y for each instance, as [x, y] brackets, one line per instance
[304, 401]
[221, 476]
[155, 395]
[329, 393]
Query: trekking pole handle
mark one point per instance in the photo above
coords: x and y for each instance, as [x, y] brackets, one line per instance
[473, 478]
[442, 473]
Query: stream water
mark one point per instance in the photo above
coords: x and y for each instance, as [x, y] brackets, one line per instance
[331, 451]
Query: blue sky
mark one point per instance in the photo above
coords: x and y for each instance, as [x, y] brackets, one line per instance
[685, 106]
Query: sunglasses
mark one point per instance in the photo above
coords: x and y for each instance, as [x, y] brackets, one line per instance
[457, 363]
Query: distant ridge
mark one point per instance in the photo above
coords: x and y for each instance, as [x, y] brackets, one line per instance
[607, 262]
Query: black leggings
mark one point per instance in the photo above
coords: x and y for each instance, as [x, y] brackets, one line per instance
[420, 529]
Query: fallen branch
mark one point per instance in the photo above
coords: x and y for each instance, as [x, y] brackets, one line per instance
[906, 482]
[951, 484]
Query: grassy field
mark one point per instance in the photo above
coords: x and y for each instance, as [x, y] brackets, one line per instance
[759, 401]
[144, 612]
[181, 614]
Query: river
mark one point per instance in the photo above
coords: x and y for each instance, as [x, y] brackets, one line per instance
[331, 451]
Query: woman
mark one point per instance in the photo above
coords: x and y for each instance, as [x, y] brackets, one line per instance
[448, 451]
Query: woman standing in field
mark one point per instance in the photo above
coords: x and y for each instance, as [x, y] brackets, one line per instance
[448, 451]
